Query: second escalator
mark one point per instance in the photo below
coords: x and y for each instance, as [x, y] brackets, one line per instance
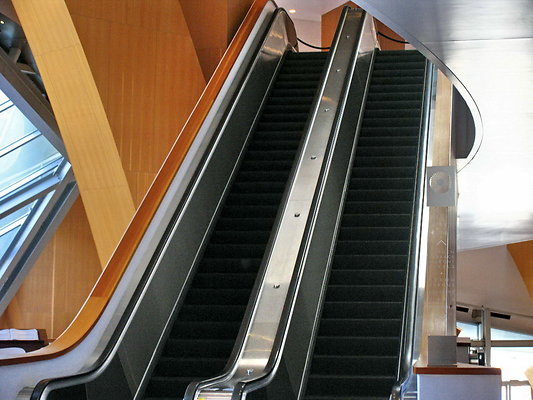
[358, 341]
[206, 327]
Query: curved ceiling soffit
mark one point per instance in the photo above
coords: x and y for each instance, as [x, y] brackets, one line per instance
[430, 55]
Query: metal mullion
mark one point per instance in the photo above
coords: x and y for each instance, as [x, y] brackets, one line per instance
[20, 142]
[23, 93]
[28, 195]
[12, 225]
[16, 187]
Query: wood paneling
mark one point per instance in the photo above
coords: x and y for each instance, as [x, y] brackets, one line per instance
[522, 254]
[58, 284]
[331, 19]
[147, 73]
[110, 277]
[149, 79]
[81, 118]
[212, 24]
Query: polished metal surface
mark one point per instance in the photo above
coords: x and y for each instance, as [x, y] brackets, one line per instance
[486, 49]
[265, 335]
[103, 342]
[410, 339]
[442, 189]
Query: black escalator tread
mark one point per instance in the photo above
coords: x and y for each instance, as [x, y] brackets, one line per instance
[204, 333]
[358, 339]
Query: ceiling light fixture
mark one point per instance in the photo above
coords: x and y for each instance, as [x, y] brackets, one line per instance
[292, 10]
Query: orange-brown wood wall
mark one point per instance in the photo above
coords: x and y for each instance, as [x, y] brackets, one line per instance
[331, 19]
[212, 24]
[145, 66]
[58, 284]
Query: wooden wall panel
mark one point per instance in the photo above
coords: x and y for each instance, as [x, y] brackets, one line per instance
[32, 306]
[147, 73]
[81, 118]
[58, 284]
[522, 254]
[75, 265]
[331, 19]
[148, 76]
[212, 24]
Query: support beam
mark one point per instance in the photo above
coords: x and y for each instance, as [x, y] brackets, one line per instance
[81, 118]
[522, 254]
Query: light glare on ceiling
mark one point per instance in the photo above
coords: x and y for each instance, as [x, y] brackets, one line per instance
[292, 10]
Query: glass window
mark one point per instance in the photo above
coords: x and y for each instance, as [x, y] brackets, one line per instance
[25, 160]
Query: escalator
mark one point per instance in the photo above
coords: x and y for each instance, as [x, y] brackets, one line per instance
[358, 341]
[205, 330]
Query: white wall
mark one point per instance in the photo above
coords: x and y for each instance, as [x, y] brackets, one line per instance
[489, 277]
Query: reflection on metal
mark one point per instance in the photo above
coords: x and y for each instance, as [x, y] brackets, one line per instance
[440, 286]
[441, 185]
[411, 336]
[266, 328]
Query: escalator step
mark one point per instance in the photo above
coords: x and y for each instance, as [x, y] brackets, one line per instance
[179, 366]
[340, 386]
[362, 309]
[360, 365]
[172, 387]
[353, 344]
[380, 172]
[369, 261]
[359, 330]
[216, 313]
[374, 233]
[380, 195]
[367, 276]
[226, 264]
[385, 149]
[385, 220]
[382, 183]
[384, 161]
[386, 293]
[205, 330]
[225, 280]
[191, 347]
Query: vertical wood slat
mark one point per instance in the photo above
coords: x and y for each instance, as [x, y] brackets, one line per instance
[81, 118]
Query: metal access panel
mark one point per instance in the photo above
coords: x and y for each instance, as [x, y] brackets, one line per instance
[442, 186]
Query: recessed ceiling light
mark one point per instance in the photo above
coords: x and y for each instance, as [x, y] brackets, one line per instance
[292, 10]
[2, 22]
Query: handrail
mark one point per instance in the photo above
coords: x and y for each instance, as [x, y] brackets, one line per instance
[110, 277]
[412, 311]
